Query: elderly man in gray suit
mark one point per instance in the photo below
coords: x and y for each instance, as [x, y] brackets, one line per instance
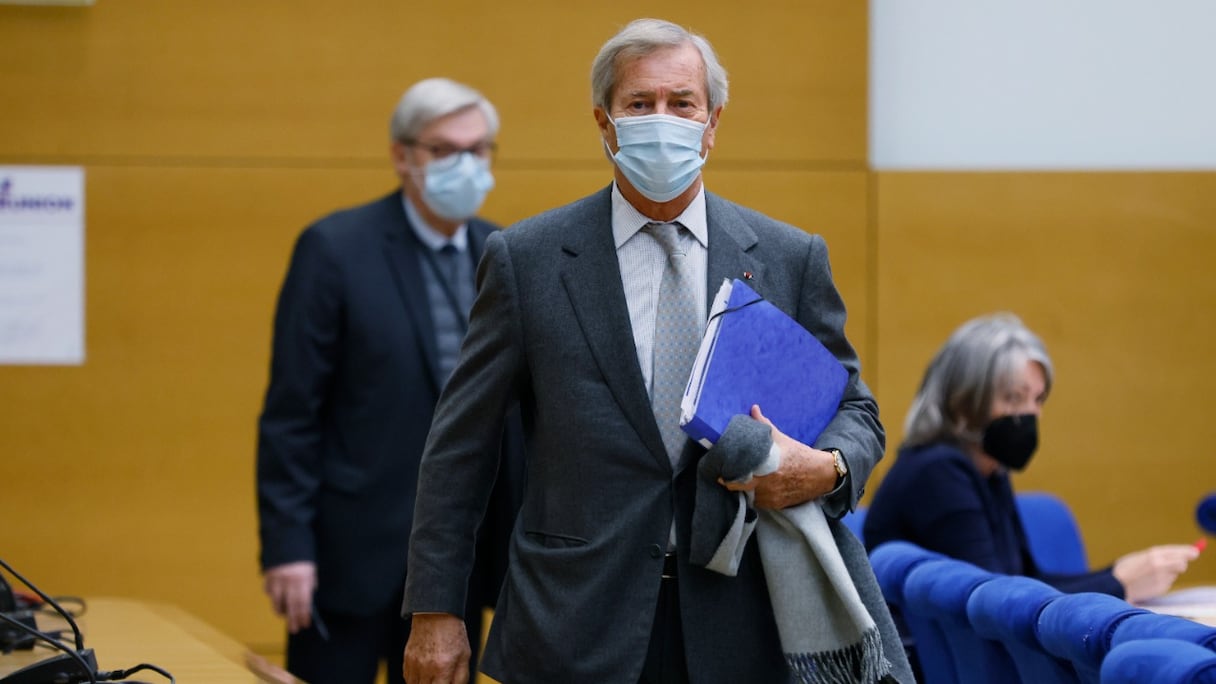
[581, 316]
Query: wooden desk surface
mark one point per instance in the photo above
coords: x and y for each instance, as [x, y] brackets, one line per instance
[1194, 603]
[126, 632]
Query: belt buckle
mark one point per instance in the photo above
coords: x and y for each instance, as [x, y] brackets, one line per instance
[669, 566]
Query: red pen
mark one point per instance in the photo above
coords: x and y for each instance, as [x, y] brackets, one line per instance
[1201, 544]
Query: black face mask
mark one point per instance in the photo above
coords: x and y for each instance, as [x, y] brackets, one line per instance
[1011, 440]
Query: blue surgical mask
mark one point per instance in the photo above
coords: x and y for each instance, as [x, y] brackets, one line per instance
[455, 187]
[658, 153]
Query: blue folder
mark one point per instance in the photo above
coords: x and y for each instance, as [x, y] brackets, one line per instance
[754, 353]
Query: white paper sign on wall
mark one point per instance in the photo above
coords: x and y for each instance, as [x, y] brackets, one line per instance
[41, 265]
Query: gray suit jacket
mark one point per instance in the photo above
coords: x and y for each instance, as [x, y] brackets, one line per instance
[550, 330]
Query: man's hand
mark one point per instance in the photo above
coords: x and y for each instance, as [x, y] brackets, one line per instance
[438, 650]
[1150, 573]
[805, 473]
[290, 587]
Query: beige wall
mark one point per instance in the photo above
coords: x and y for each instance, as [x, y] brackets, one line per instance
[211, 133]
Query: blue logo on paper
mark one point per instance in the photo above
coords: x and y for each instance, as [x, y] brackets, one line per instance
[45, 204]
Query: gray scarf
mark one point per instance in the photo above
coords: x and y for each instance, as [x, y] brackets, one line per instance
[827, 635]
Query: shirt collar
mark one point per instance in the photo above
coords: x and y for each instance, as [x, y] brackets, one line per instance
[431, 237]
[627, 220]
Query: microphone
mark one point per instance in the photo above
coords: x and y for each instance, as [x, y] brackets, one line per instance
[74, 665]
[1205, 513]
[14, 638]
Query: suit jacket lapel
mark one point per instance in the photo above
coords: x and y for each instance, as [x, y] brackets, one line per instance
[730, 243]
[477, 233]
[405, 263]
[593, 283]
[592, 278]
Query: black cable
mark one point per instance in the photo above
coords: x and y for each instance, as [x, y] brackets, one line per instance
[123, 674]
[56, 634]
[81, 609]
[28, 602]
[49, 600]
[94, 676]
[84, 667]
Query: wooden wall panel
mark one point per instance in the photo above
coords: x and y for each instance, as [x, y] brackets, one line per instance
[138, 465]
[1114, 271]
[316, 79]
[149, 446]
[211, 133]
[833, 205]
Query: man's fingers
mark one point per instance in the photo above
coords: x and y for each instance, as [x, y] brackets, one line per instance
[437, 650]
[299, 606]
[740, 486]
[758, 415]
[290, 587]
[291, 596]
[277, 591]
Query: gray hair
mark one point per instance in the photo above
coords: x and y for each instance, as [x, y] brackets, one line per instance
[642, 37]
[432, 98]
[955, 399]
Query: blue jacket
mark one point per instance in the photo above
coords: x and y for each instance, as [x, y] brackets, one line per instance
[934, 497]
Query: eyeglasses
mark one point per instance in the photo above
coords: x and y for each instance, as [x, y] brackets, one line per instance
[442, 150]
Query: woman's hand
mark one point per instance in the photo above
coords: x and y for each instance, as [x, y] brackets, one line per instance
[1150, 573]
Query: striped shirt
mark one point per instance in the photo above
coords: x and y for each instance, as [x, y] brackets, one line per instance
[642, 261]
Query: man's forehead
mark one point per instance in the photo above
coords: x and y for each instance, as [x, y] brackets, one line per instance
[663, 61]
[640, 79]
[681, 91]
[466, 124]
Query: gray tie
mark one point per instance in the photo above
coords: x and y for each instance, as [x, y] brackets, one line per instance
[677, 336]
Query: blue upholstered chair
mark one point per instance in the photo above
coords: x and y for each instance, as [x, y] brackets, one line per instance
[855, 521]
[1006, 609]
[1157, 626]
[892, 561]
[936, 593]
[1079, 628]
[1205, 513]
[1052, 534]
[1158, 661]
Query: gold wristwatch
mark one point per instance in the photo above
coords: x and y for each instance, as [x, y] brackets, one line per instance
[838, 463]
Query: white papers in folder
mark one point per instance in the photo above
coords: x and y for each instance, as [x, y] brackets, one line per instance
[696, 379]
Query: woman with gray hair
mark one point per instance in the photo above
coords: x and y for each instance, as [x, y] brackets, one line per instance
[973, 420]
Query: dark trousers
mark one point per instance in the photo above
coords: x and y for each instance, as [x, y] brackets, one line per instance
[356, 645]
[665, 662]
[353, 650]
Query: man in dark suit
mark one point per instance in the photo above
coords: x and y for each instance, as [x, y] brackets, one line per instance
[569, 324]
[368, 328]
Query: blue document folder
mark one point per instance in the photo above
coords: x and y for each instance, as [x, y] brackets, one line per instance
[754, 353]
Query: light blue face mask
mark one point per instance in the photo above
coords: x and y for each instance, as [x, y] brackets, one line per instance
[658, 153]
[455, 187]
